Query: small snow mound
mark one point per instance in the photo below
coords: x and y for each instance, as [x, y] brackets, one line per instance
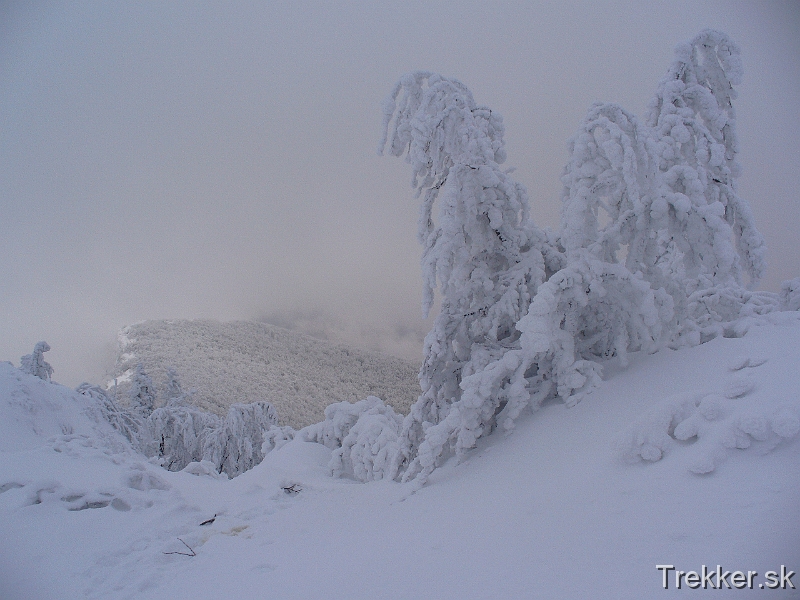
[204, 468]
[709, 426]
[655, 433]
[711, 407]
[738, 386]
[742, 362]
[739, 363]
[144, 481]
[755, 425]
[786, 422]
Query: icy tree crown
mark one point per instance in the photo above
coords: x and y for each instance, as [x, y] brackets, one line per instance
[437, 124]
[35, 364]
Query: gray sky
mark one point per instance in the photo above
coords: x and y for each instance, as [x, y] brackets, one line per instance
[217, 160]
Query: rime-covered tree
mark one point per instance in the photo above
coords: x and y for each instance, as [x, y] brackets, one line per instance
[179, 434]
[35, 364]
[142, 393]
[482, 251]
[614, 243]
[694, 127]
[173, 392]
[238, 444]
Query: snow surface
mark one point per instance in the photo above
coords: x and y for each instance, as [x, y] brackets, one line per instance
[562, 508]
[244, 362]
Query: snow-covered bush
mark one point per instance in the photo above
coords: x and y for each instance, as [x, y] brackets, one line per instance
[142, 393]
[179, 434]
[35, 364]
[237, 445]
[363, 437]
[707, 426]
[790, 294]
[724, 310]
[123, 421]
[182, 434]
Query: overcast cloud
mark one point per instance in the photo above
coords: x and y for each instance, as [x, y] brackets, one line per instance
[217, 160]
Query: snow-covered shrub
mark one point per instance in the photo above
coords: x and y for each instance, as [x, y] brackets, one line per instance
[179, 434]
[363, 437]
[651, 437]
[123, 421]
[790, 294]
[724, 310]
[204, 468]
[35, 364]
[142, 393]
[339, 419]
[237, 445]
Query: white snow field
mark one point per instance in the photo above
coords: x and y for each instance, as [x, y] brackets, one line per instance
[241, 361]
[564, 507]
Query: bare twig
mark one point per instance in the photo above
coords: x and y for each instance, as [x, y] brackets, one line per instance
[193, 553]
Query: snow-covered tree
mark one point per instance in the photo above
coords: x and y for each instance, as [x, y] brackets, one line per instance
[615, 245]
[173, 393]
[661, 197]
[694, 127]
[35, 364]
[482, 251]
[179, 434]
[237, 445]
[142, 393]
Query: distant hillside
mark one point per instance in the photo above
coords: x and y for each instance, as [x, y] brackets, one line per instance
[224, 363]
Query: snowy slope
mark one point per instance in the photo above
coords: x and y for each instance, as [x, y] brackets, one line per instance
[556, 510]
[246, 362]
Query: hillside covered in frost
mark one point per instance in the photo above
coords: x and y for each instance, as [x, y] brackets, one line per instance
[242, 362]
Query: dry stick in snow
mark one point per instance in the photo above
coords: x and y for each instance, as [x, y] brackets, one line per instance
[193, 553]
